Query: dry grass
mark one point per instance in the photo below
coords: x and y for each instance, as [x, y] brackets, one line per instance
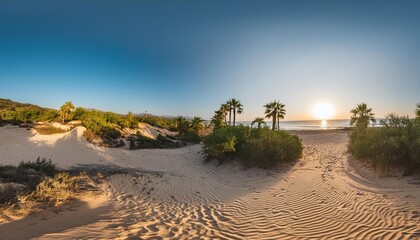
[48, 130]
[49, 193]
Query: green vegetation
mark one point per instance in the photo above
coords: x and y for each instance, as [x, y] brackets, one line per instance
[188, 131]
[132, 121]
[259, 121]
[32, 186]
[101, 125]
[235, 106]
[231, 107]
[362, 116]
[16, 113]
[142, 142]
[105, 128]
[161, 122]
[418, 110]
[275, 110]
[28, 173]
[65, 111]
[23, 178]
[196, 124]
[394, 145]
[258, 147]
[47, 130]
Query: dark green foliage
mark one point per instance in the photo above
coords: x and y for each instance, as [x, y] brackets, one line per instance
[132, 121]
[182, 125]
[29, 173]
[362, 115]
[265, 148]
[396, 144]
[15, 113]
[78, 113]
[49, 115]
[141, 142]
[252, 147]
[100, 124]
[190, 137]
[27, 114]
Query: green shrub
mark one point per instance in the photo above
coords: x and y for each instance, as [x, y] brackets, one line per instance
[29, 173]
[99, 124]
[142, 142]
[266, 148]
[190, 136]
[47, 130]
[262, 148]
[49, 115]
[396, 144]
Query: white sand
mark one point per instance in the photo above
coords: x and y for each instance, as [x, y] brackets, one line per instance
[326, 195]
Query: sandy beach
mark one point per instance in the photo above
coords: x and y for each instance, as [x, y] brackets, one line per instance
[171, 194]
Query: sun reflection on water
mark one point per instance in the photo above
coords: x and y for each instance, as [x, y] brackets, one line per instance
[324, 124]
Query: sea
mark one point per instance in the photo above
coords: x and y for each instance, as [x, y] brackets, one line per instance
[307, 124]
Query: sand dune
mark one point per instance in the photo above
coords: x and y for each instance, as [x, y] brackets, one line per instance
[171, 194]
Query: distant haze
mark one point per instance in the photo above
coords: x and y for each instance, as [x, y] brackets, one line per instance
[188, 57]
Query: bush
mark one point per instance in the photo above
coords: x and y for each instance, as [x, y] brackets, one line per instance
[252, 147]
[396, 144]
[47, 130]
[190, 136]
[49, 115]
[54, 190]
[266, 148]
[142, 142]
[90, 136]
[23, 112]
[28, 173]
[98, 123]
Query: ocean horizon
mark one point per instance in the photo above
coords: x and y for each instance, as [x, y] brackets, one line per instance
[309, 124]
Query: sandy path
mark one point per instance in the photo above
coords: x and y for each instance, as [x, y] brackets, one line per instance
[321, 197]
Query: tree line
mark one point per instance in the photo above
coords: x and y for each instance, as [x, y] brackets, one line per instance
[274, 110]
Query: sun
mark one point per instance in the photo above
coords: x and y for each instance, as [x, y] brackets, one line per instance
[323, 110]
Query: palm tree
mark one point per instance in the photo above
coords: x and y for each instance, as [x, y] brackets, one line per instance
[230, 107]
[418, 111]
[196, 124]
[224, 109]
[276, 111]
[217, 119]
[236, 106]
[362, 115]
[181, 124]
[66, 110]
[259, 121]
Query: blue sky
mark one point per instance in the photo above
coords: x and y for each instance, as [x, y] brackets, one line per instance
[188, 57]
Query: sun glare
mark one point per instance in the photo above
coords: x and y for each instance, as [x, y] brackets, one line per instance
[323, 111]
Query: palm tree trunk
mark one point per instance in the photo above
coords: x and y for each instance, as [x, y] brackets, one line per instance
[274, 123]
[230, 116]
[234, 117]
